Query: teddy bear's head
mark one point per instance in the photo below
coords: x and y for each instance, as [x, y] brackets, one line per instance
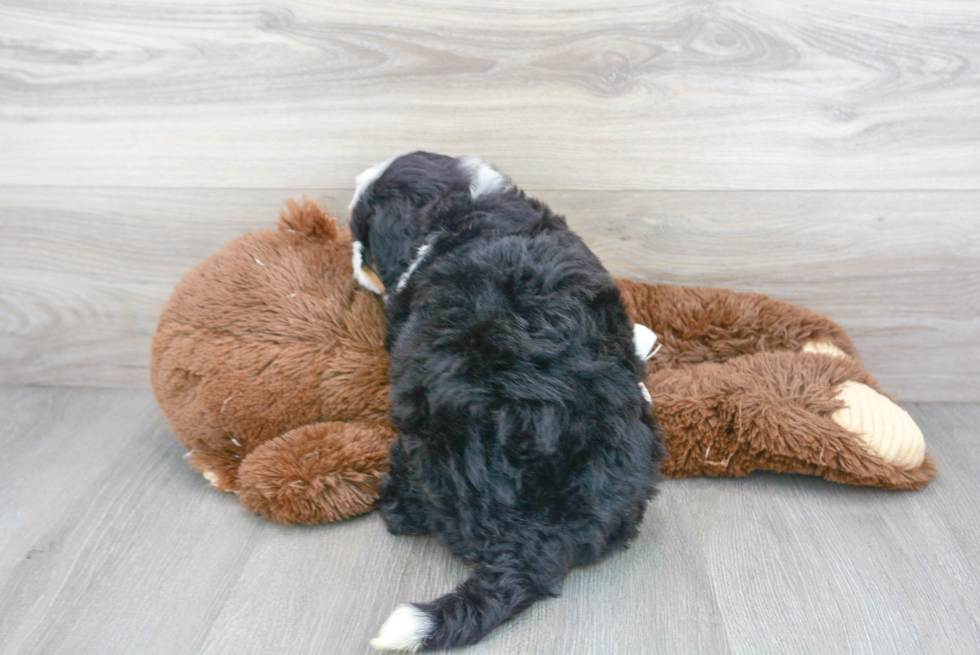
[268, 334]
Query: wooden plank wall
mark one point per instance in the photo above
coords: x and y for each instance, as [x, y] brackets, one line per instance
[825, 153]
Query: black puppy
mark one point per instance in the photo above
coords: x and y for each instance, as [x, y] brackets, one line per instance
[524, 437]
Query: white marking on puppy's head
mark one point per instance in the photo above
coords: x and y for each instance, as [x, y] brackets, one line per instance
[367, 178]
[484, 178]
[357, 261]
[406, 629]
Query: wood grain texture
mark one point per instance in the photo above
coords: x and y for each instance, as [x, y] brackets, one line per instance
[83, 274]
[900, 271]
[110, 543]
[843, 94]
[130, 551]
[832, 148]
[858, 570]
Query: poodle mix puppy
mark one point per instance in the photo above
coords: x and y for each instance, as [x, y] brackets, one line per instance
[524, 439]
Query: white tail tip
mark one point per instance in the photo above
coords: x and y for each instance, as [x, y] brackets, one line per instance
[405, 629]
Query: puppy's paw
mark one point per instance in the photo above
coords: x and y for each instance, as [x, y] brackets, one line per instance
[400, 520]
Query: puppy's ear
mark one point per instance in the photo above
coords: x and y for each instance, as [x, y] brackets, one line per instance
[392, 235]
[361, 258]
[365, 274]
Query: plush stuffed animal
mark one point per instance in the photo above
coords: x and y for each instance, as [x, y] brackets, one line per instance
[269, 365]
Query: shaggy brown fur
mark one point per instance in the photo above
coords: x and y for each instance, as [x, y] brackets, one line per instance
[269, 365]
[267, 358]
[734, 394]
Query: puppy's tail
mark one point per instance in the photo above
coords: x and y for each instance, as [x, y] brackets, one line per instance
[493, 594]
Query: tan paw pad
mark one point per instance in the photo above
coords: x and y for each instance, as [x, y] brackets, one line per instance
[823, 348]
[211, 477]
[883, 426]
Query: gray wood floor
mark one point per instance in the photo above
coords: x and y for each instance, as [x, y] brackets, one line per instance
[109, 543]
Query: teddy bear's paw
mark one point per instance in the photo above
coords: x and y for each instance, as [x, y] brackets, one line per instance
[221, 482]
[212, 477]
[883, 426]
[220, 471]
[823, 348]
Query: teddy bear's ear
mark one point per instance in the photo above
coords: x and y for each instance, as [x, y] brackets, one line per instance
[309, 219]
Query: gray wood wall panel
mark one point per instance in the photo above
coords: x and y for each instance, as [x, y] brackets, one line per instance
[824, 153]
[83, 275]
[844, 94]
[110, 543]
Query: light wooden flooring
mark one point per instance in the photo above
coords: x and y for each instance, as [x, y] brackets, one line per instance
[110, 543]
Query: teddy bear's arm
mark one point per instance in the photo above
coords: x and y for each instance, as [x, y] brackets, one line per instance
[701, 324]
[317, 473]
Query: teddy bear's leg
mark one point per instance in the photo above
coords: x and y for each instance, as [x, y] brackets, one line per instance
[883, 426]
[316, 473]
[404, 512]
[792, 412]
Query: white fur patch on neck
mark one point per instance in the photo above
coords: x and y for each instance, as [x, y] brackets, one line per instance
[646, 393]
[367, 178]
[644, 339]
[484, 178]
[419, 258]
[357, 260]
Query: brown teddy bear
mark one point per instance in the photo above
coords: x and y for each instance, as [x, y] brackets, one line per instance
[269, 365]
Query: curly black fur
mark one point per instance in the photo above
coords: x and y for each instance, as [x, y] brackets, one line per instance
[524, 440]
